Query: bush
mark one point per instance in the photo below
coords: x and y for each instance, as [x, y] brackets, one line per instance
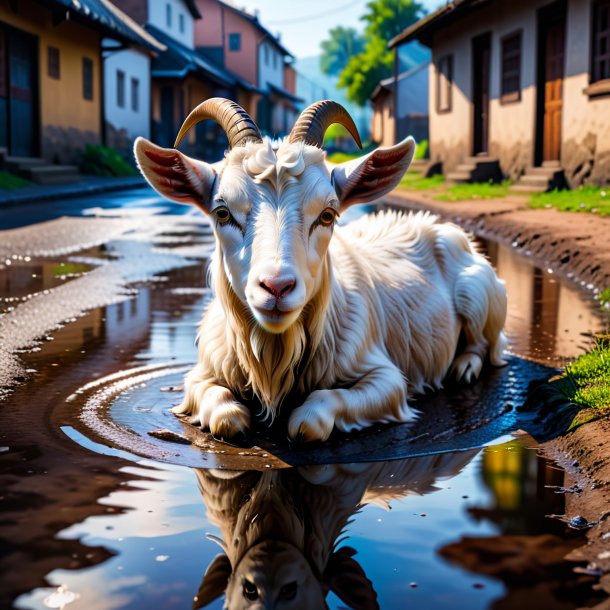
[11, 181]
[100, 160]
[421, 152]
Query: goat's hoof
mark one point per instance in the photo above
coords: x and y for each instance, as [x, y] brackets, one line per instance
[229, 421]
[310, 423]
[467, 367]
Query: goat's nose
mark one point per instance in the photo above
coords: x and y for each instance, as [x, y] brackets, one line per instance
[279, 286]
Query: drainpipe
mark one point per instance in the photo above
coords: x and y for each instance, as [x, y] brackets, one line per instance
[396, 94]
[102, 90]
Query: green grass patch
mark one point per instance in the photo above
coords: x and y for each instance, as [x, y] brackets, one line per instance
[413, 180]
[341, 157]
[10, 181]
[584, 199]
[421, 152]
[475, 190]
[103, 161]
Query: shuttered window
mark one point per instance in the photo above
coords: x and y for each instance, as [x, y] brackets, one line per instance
[511, 68]
[601, 41]
[87, 78]
[135, 94]
[120, 88]
[444, 83]
[53, 62]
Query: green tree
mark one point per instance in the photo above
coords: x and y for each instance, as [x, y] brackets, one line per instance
[384, 19]
[337, 50]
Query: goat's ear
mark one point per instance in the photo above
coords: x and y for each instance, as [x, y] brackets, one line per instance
[372, 176]
[214, 581]
[346, 579]
[175, 175]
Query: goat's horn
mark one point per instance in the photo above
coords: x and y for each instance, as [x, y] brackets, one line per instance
[236, 122]
[317, 118]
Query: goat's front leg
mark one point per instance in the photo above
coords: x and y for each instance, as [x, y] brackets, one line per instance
[379, 395]
[213, 406]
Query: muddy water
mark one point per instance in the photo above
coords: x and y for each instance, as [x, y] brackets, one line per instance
[97, 513]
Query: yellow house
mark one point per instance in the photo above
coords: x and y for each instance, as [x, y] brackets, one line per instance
[51, 101]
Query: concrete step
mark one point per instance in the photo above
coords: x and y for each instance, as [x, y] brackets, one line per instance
[53, 174]
[527, 188]
[459, 177]
[18, 164]
[466, 167]
[534, 180]
[481, 159]
[555, 164]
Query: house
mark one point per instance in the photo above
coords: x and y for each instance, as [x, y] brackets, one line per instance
[51, 79]
[240, 43]
[408, 93]
[520, 89]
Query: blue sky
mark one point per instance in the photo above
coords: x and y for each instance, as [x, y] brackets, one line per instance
[303, 24]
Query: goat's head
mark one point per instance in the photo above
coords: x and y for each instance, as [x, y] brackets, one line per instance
[273, 208]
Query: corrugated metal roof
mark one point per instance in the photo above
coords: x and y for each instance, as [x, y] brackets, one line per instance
[107, 19]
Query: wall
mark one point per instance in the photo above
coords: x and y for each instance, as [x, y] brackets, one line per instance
[268, 72]
[133, 122]
[68, 121]
[157, 16]
[585, 128]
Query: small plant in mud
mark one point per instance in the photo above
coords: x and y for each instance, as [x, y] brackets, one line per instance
[475, 190]
[584, 199]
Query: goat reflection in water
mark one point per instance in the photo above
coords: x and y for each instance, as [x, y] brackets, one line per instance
[280, 529]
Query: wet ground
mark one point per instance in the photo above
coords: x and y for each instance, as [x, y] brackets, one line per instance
[106, 499]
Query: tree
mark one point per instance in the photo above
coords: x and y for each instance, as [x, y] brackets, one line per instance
[384, 19]
[342, 44]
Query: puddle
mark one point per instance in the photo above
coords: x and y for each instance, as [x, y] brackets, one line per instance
[91, 501]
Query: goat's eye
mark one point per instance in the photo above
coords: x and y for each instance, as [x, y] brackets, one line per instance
[327, 217]
[250, 591]
[223, 216]
[289, 591]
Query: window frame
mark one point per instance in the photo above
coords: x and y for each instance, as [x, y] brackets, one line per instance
[448, 82]
[168, 15]
[181, 23]
[513, 96]
[595, 78]
[235, 37]
[120, 88]
[88, 72]
[135, 94]
[53, 62]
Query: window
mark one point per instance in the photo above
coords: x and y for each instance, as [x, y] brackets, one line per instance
[53, 62]
[120, 88]
[274, 60]
[266, 48]
[168, 15]
[87, 78]
[181, 22]
[135, 94]
[444, 82]
[234, 42]
[600, 65]
[510, 85]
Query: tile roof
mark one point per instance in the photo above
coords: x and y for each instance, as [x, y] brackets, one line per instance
[107, 19]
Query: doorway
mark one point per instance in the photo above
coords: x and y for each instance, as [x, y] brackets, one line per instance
[481, 52]
[18, 92]
[551, 70]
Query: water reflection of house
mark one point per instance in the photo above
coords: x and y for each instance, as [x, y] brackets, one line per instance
[127, 322]
[50, 76]
[546, 317]
[519, 84]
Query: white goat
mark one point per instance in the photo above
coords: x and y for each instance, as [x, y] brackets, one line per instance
[353, 326]
[281, 529]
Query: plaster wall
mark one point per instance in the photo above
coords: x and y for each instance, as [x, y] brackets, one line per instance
[270, 65]
[178, 11]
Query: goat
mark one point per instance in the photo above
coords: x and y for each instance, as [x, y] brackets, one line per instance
[352, 326]
[280, 528]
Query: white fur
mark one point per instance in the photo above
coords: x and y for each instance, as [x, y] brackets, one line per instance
[375, 313]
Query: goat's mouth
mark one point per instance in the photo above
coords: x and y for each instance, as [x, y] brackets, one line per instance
[275, 320]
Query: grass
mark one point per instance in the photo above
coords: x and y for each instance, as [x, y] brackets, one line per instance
[415, 181]
[475, 190]
[421, 152]
[584, 199]
[103, 161]
[341, 157]
[10, 181]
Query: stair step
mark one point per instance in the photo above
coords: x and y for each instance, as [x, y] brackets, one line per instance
[555, 164]
[534, 180]
[23, 163]
[459, 176]
[466, 167]
[478, 159]
[54, 174]
[548, 172]
[528, 188]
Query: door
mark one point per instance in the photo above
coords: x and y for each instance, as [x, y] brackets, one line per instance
[550, 70]
[168, 133]
[553, 90]
[18, 92]
[481, 51]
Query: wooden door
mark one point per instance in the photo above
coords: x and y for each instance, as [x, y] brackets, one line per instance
[481, 50]
[168, 133]
[554, 50]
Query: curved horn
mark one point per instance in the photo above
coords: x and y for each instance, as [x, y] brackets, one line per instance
[317, 118]
[230, 116]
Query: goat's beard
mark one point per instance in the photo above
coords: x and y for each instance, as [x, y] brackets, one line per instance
[269, 363]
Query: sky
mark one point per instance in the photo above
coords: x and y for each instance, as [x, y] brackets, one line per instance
[303, 24]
